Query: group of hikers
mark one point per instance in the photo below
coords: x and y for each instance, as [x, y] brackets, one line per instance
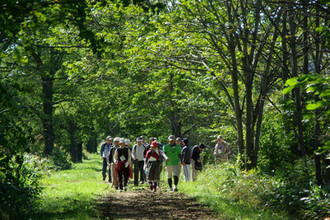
[146, 160]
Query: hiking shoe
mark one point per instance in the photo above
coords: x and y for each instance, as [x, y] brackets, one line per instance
[125, 189]
[104, 177]
[151, 187]
[175, 189]
[171, 189]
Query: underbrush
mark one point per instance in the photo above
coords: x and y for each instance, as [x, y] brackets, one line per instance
[252, 195]
[19, 185]
[232, 193]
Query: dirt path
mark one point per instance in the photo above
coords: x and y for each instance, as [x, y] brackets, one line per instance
[143, 204]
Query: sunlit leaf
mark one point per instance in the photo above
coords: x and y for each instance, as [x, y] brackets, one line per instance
[314, 106]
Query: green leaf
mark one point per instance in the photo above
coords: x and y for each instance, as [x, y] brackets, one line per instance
[292, 81]
[287, 90]
[323, 149]
[325, 93]
[314, 106]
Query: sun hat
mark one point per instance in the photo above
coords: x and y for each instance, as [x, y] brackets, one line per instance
[171, 138]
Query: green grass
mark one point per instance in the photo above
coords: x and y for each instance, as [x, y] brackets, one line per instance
[71, 194]
[229, 196]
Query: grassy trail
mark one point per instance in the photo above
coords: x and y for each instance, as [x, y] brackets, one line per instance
[80, 193]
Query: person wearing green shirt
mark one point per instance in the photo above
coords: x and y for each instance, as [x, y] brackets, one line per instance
[173, 152]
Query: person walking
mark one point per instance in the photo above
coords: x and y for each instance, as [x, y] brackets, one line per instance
[153, 160]
[138, 153]
[179, 142]
[114, 176]
[122, 159]
[196, 164]
[221, 151]
[186, 158]
[104, 153]
[173, 152]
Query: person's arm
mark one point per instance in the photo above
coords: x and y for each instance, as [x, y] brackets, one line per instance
[115, 157]
[179, 152]
[134, 152]
[109, 156]
[215, 149]
[164, 155]
[183, 153]
[102, 149]
[129, 156]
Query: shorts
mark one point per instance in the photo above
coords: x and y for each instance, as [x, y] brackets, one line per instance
[173, 170]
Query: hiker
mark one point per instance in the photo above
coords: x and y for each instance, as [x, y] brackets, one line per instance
[111, 163]
[186, 158]
[147, 144]
[128, 144]
[173, 152]
[179, 142]
[105, 152]
[138, 154]
[122, 159]
[196, 164]
[153, 160]
[221, 151]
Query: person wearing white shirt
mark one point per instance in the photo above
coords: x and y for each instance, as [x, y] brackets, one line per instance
[138, 153]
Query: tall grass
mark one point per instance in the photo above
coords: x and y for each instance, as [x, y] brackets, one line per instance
[232, 194]
[70, 194]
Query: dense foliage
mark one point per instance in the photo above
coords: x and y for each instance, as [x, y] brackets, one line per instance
[74, 71]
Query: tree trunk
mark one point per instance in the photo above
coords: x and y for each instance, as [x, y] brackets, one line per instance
[47, 118]
[296, 92]
[175, 118]
[75, 143]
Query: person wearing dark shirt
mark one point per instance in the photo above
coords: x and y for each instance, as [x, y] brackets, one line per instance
[111, 163]
[196, 164]
[104, 153]
[122, 159]
[186, 158]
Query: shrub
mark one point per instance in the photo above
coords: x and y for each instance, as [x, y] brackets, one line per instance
[295, 192]
[19, 186]
[317, 203]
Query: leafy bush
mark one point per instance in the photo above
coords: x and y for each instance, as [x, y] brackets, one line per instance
[317, 203]
[19, 187]
[289, 190]
[233, 193]
[295, 192]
